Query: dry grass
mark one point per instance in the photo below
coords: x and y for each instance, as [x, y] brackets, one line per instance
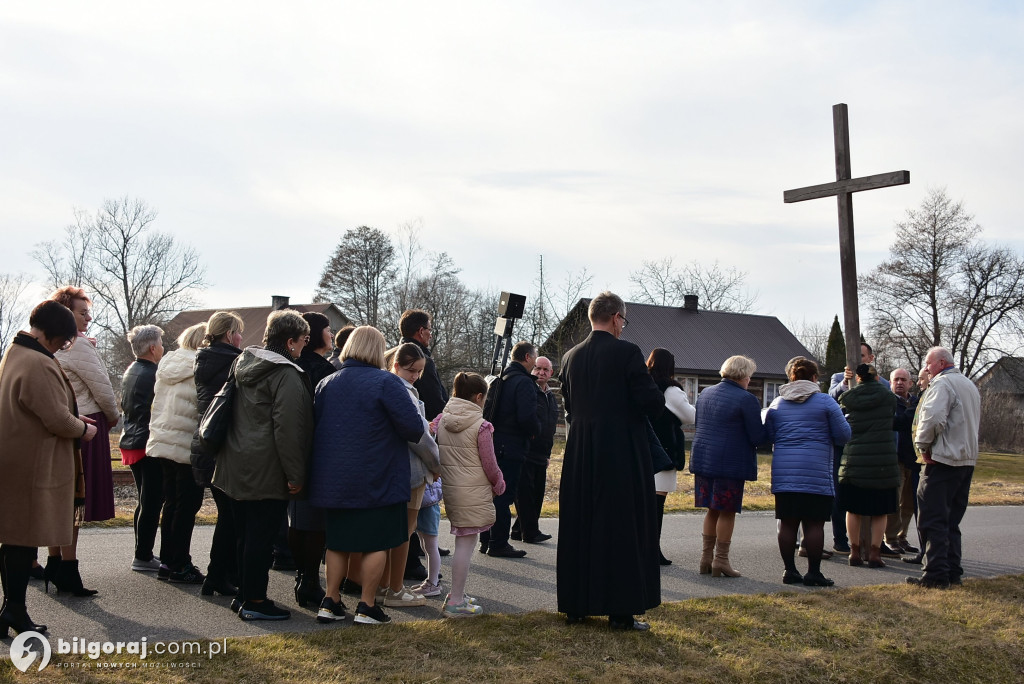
[860, 634]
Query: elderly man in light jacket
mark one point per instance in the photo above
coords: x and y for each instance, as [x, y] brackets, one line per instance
[946, 438]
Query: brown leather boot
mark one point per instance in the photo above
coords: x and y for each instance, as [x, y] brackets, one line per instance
[720, 565]
[875, 557]
[708, 554]
[855, 558]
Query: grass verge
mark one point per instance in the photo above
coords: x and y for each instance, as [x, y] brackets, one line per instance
[860, 634]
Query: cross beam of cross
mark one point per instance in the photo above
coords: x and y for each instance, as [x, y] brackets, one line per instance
[843, 190]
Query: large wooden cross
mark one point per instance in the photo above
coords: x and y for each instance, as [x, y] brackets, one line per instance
[843, 190]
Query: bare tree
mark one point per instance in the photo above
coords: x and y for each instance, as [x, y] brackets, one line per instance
[717, 288]
[813, 335]
[134, 274]
[360, 276]
[13, 308]
[943, 286]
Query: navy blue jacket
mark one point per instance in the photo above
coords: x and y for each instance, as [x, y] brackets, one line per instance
[729, 430]
[364, 422]
[515, 414]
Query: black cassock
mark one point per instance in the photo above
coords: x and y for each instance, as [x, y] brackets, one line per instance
[607, 526]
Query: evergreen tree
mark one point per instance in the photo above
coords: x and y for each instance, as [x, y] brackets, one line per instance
[835, 355]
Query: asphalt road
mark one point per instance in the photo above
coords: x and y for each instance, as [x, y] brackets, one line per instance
[131, 605]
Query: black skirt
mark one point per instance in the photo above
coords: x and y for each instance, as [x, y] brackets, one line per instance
[861, 501]
[811, 507]
[367, 529]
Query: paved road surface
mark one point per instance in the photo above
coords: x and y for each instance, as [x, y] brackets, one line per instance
[131, 605]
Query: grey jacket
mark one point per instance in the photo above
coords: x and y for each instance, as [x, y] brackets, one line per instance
[948, 418]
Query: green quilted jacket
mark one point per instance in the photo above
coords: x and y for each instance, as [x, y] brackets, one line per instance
[869, 458]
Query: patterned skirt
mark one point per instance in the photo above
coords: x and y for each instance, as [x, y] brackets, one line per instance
[718, 493]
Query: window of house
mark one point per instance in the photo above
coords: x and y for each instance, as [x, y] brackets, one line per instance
[771, 390]
[689, 384]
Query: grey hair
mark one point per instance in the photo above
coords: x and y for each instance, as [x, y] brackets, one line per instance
[604, 306]
[942, 354]
[737, 368]
[142, 337]
[284, 325]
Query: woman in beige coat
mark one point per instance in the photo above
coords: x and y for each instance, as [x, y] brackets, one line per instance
[39, 431]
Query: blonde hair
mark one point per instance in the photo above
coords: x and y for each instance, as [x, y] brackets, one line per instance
[737, 368]
[365, 344]
[220, 324]
[190, 338]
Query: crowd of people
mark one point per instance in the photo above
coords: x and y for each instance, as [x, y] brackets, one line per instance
[347, 449]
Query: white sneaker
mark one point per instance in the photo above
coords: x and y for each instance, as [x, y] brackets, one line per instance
[403, 597]
[426, 589]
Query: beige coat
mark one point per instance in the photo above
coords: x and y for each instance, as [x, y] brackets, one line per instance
[38, 429]
[89, 379]
[175, 414]
[468, 499]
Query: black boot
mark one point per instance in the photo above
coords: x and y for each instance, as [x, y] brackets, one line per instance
[661, 516]
[15, 563]
[50, 572]
[69, 579]
[308, 589]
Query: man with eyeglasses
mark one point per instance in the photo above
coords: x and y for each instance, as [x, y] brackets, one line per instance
[608, 546]
[533, 478]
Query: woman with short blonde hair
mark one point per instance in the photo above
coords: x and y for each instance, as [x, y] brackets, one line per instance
[365, 344]
[724, 456]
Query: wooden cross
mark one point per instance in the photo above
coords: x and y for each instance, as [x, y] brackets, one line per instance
[843, 189]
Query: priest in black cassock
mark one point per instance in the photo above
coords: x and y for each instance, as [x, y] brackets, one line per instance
[608, 526]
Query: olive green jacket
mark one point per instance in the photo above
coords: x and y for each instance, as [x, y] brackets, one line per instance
[271, 433]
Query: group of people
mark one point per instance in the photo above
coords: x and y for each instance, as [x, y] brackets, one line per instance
[353, 455]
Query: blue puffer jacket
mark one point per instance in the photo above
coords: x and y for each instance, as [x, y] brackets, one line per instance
[729, 429]
[803, 424]
[364, 423]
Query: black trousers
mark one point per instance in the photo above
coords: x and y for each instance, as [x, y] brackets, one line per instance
[510, 470]
[838, 514]
[256, 524]
[182, 500]
[149, 483]
[530, 498]
[224, 547]
[941, 504]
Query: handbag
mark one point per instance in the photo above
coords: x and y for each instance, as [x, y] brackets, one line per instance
[213, 428]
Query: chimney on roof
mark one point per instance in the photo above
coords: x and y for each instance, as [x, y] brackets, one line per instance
[277, 302]
[690, 302]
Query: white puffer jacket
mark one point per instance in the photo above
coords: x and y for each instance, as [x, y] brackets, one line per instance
[89, 379]
[175, 415]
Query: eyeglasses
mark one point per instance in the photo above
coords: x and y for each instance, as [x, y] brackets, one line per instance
[306, 339]
[68, 343]
[625, 323]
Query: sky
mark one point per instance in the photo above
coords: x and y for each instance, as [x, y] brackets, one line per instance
[599, 134]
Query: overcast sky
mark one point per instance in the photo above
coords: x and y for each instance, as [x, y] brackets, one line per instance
[598, 134]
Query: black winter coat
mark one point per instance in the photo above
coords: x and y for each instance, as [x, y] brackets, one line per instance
[316, 366]
[515, 414]
[212, 366]
[137, 390]
[544, 440]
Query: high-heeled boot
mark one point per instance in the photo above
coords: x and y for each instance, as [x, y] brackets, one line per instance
[50, 572]
[69, 579]
[720, 565]
[14, 572]
[707, 554]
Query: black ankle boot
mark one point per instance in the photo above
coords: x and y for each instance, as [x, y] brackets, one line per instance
[50, 572]
[68, 579]
[308, 589]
